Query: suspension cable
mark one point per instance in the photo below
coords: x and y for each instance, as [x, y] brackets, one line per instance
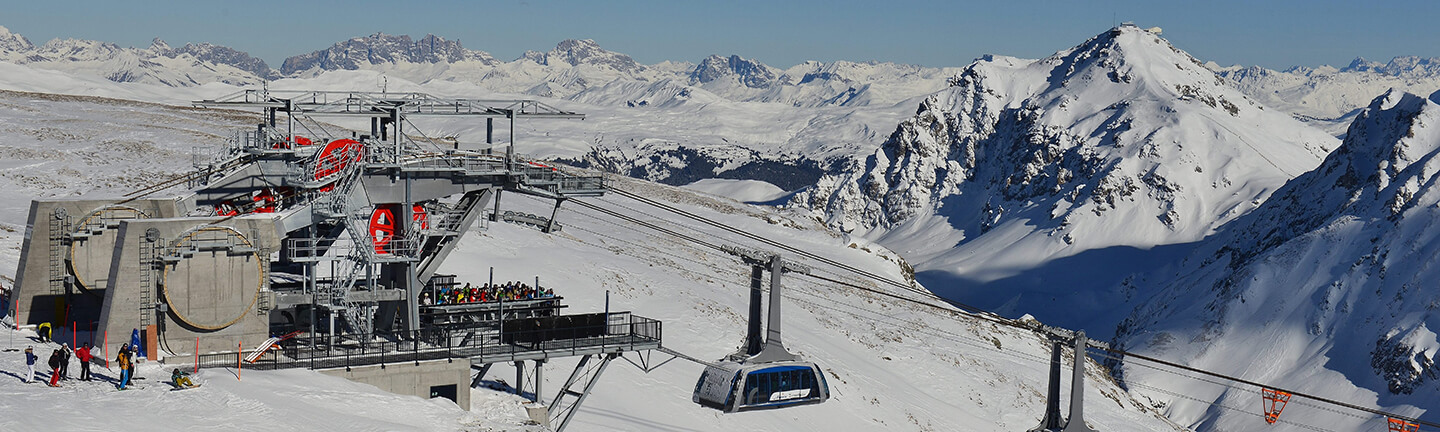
[973, 312]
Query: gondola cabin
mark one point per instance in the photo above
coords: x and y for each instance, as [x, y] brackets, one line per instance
[732, 387]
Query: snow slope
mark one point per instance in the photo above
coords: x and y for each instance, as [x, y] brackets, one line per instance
[292, 400]
[1327, 287]
[740, 190]
[1033, 186]
[891, 366]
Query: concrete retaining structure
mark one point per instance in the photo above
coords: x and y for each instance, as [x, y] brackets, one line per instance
[80, 267]
[215, 293]
[425, 379]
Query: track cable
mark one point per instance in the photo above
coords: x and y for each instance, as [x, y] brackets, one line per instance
[972, 312]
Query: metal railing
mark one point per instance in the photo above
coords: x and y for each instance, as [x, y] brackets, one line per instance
[617, 332]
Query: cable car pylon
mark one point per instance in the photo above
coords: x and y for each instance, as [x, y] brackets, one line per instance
[1052, 421]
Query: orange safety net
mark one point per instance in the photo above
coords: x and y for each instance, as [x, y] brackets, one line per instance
[1275, 401]
[1398, 425]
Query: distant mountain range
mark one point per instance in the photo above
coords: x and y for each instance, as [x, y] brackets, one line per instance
[572, 67]
[1324, 94]
[1329, 97]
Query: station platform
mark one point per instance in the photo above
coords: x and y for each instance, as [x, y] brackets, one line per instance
[541, 338]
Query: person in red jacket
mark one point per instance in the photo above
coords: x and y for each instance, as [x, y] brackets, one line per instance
[83, 354]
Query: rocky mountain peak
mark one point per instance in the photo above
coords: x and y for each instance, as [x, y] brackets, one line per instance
[159, 46]
[224, 55]
[381, 48]
[1403, 66]
[749, 72]
[576, 52]
[1393, 133]
[13, 41]
[1062, 129]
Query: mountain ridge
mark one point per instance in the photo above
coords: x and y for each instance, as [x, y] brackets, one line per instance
[1333, 264]
[1121, 144]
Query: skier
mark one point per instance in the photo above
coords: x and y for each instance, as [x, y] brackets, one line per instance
[83, 354]
[65, 361]
[43, 332]
[30, 361]
[124, 360]
[181, 379]
[55, 368]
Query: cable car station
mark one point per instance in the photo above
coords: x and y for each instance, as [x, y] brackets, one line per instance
[305, 246]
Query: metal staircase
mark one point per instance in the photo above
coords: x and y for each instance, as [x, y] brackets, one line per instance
[445, 232]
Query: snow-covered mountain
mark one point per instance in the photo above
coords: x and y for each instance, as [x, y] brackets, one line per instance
[748, 73]
[191, 65]
[224, 55]
[577, 52]
[1329, 97]
[1327, 287]
[1030, 185]
[381, 49]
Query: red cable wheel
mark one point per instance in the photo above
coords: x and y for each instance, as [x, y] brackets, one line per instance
[382, 228]
[334, 157]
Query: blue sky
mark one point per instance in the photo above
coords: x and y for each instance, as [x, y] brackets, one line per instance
[1275, 34]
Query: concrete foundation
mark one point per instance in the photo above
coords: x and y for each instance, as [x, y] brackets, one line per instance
[436, 378]
[62, 275]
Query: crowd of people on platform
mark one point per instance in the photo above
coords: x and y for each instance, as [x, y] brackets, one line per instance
[509, 291]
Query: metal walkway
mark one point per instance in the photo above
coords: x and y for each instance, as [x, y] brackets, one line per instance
[623, 333]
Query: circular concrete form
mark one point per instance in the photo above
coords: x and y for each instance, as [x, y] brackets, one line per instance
[218, 283]
[92, 244]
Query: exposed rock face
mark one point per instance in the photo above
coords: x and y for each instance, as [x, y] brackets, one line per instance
[576, 52]
[751, 73]
[381, 48]
[1404, 66]
[224, 55]
[13, 41]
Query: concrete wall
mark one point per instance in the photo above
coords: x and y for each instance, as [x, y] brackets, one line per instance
[38, 302]
[409, 379]
[204, 295]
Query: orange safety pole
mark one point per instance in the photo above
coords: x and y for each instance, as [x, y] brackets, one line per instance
[238, 358]
[107, 349]
[197, 354]
[74, 340]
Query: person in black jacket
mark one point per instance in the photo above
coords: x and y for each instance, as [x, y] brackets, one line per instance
[55, 368]
[65, 361]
